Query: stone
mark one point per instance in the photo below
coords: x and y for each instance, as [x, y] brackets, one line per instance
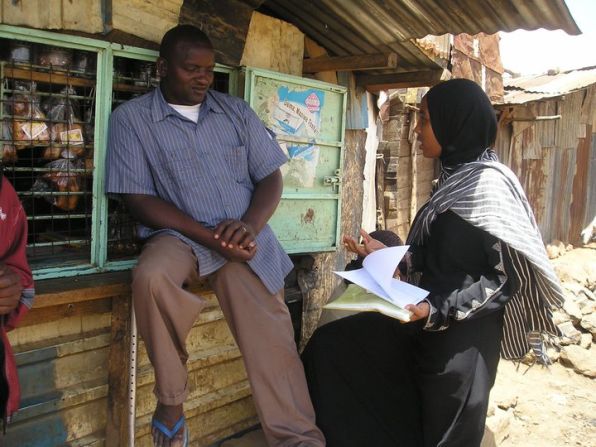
[552, 251]
[587, 306]
[553, 353]
[560, 317]
[507, 403]
[498, 426]
[588, 322]
[588, 294]
[586, 341]
[572, 308]
[570, 335]
[577, 266]
[583, 361]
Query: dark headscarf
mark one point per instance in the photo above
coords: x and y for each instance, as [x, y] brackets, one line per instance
[462, 119]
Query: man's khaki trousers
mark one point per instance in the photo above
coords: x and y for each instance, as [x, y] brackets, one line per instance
[259, 321]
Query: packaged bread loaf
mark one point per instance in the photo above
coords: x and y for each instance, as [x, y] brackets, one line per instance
[60, 178]
[66, 127]
[29, 122]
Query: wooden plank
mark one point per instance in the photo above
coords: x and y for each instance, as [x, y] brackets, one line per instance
[350, 63]
[83, 15]
[375, 83]
[414, 171]
[42, 14]
[54, 77]
[53, 313]
[148, 19]
[273, 44]
[313, 49]
[53, 292]
[380, 187]
[118, 377]
[226, 23]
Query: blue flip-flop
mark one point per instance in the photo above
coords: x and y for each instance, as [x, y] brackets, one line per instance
[170, 434]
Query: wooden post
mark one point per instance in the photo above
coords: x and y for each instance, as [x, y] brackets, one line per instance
[380, 192]
[118, 365]
[413, 137]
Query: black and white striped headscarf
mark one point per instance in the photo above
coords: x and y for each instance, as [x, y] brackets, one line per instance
[488, 195]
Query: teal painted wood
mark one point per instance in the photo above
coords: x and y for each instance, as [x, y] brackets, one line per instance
[64, 388]
[103, 102]
[308, 118]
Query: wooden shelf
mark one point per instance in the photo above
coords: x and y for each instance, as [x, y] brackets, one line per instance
[131, 88]
[50, 78]
[63, 79]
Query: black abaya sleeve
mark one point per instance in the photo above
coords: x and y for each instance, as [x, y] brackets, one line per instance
[464, 272]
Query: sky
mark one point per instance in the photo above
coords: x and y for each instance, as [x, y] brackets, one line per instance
[536, 52]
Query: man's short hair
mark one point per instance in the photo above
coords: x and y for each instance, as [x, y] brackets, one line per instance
[183, 33]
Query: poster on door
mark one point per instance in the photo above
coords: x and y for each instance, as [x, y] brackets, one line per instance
[297, 113]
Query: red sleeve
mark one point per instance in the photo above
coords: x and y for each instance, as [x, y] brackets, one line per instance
[16, 257]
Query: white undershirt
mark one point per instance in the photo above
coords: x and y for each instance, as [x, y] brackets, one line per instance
[190, 112]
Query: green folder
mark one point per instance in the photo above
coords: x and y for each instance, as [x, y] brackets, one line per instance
[357, 299]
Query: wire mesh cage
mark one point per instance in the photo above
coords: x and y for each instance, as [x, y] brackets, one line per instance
[47, 99]
[131, 78]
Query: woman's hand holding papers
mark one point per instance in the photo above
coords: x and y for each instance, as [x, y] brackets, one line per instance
[368, 245]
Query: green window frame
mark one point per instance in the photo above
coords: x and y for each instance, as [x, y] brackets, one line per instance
[106, 52]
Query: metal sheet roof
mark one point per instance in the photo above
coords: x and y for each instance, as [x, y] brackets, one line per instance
[356, 27]
[534, 88]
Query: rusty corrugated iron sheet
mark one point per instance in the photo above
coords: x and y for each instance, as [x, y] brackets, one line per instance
[353, 27]
[555, 159]
[536, 87]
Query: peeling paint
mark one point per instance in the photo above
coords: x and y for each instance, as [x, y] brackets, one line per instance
[309, 216]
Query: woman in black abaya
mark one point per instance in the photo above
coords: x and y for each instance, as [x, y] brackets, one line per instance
[475, 247]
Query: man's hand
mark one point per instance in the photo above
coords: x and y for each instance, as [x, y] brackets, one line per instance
[367, 247]
[10, 289]
[235, 233]
[237, 254]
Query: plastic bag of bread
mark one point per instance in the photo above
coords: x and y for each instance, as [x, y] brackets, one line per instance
[29, 122]
[66, 127]
[60, 179]
[9, 151]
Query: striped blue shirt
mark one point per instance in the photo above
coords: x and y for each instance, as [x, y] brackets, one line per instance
[207, 169]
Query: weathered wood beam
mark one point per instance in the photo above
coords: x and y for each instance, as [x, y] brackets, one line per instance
[117, 429]
[350, 63]
[313, 49]
[376, 83]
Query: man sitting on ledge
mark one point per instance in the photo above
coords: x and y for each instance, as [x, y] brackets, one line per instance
[200, 172]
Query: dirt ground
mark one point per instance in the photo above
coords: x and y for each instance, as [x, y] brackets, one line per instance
[552, 407]
[548, 407]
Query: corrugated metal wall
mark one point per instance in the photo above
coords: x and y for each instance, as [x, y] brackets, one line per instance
[554, 160]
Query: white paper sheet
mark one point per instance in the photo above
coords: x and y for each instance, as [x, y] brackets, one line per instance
[376, 276]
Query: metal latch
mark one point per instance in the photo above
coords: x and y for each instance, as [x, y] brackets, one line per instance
[333, 180]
